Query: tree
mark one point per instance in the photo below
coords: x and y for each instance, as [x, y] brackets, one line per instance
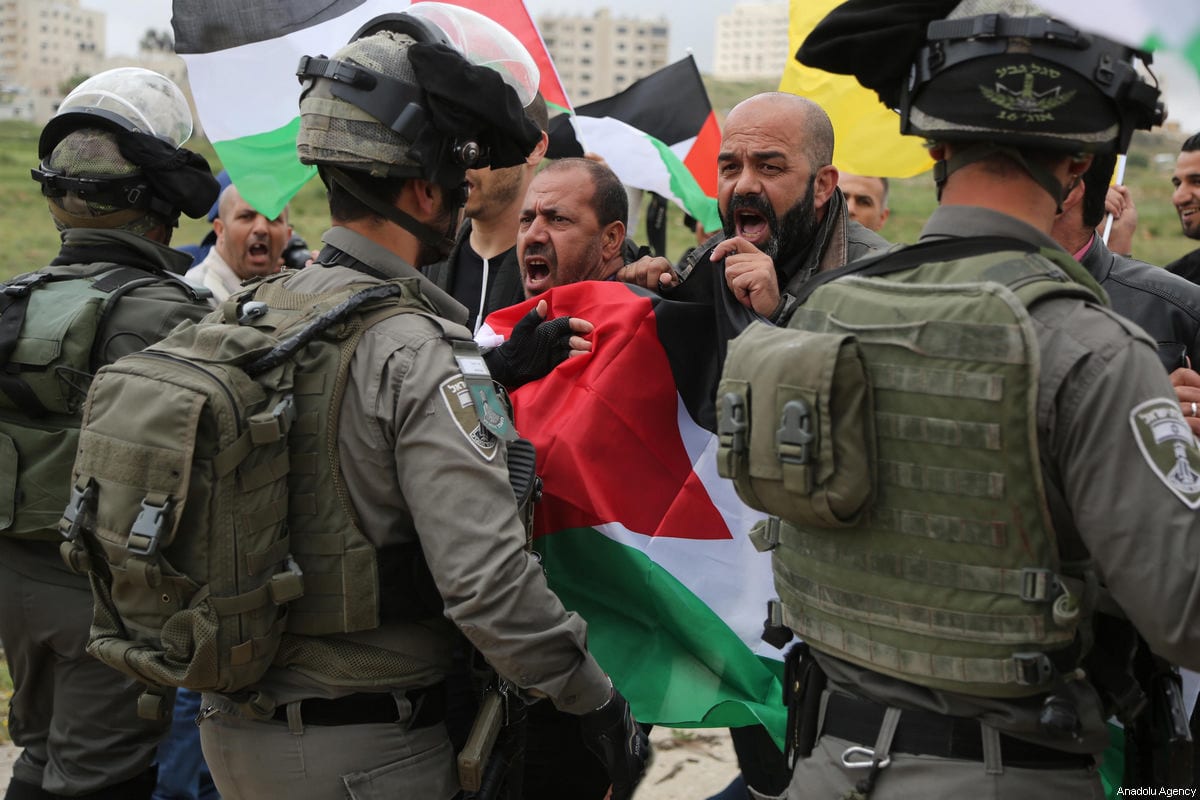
[65, 87]
[157, 41]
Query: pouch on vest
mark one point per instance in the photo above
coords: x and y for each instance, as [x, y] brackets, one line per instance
[48, 340]
[796, 425]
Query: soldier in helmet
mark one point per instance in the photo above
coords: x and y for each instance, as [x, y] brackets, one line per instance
[392, 122]
[116, 179]
[1034, 481]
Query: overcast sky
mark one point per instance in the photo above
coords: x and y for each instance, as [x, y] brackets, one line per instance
[692, 23]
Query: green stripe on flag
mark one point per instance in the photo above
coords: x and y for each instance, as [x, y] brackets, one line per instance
[672, 657]
[1192, 52]
[265, 167]
[685, 187]
[555, 108]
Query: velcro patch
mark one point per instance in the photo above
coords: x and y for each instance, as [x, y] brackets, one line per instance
[457, 397]
[1169, 447]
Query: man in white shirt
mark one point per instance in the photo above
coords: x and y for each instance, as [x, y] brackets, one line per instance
[249, 245]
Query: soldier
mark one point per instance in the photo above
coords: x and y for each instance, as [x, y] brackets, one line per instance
[1035, 483]
[116, 178]
[392, 122]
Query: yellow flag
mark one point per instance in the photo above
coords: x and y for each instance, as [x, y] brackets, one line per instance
[866, 132]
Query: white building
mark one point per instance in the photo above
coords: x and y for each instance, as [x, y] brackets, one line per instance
[751, 42]
[45, 44]
[600, 55]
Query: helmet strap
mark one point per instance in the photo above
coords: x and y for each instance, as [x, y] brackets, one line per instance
[984, 150]
[443, 243]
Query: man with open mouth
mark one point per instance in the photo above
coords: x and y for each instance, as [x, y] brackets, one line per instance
[572, 225]
[1187, 202]
[783, 218]
[249, 245]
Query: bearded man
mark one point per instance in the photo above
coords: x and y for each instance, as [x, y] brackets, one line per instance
[784, 219]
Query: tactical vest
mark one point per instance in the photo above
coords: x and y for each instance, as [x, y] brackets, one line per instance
[49, 348]
[949, 575]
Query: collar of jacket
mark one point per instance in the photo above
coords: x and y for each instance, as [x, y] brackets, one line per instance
[96, 245]
[827, 250]
[345, 248]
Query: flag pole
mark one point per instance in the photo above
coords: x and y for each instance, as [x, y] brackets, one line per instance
[1120, 178]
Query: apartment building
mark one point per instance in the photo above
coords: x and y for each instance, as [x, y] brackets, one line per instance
[43, 45]
[599, 55]
[751, 42]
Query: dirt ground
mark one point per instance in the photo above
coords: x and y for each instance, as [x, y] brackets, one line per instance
[688, 765]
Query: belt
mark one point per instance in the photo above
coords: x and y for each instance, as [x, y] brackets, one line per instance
[364, 708]
[858, 720]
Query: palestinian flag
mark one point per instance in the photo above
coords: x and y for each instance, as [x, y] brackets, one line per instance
[637, 531]
[227, 43]
[1172, 25]
[660, 135]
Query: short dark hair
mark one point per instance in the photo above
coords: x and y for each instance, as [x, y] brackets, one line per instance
[1095, 188]
[1191, 144]
[609, 201]
[345, 207]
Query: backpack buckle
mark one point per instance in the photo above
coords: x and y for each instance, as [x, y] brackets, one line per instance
[1038, 585]
[1033, 669]
[23, 285]
[795, 432]
[732, 422]
[148, 528]
[72, 518]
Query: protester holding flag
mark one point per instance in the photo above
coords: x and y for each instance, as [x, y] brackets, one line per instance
[419, 453]
[929, 682]
[571, 226]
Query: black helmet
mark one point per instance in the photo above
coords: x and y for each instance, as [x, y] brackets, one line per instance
[1027, 82]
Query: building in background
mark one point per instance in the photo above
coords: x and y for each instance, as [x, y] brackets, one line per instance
[45, 46]
[751, 42]
[600, 55]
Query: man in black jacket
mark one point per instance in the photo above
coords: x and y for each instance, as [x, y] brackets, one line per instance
[1165, 305]
[1186, 198]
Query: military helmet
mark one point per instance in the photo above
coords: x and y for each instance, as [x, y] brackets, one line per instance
[428, 92]
[127, 98]
[112, 153]
[1027, 81]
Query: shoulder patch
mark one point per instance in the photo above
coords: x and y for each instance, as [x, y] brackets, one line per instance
[1169, 447]
[456, 394]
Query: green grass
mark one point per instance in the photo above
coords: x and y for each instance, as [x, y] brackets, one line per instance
[32, 241]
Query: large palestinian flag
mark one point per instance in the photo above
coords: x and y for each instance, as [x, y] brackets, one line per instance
[228, 44]
[659, 135]
[637, 531]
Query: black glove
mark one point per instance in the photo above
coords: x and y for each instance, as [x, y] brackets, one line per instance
[618, 742]
[534, 347]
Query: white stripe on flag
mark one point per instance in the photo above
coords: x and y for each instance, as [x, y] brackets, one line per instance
[268, 70]
[729, 576]
[628, 151]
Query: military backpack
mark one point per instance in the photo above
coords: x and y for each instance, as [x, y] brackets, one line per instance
[206, 501]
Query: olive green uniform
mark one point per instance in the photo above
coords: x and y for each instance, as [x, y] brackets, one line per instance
[414, 474]
[1095, 369]
[74, 717]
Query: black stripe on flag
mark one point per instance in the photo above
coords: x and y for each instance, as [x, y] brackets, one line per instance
[206, 26]
[671, 105]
